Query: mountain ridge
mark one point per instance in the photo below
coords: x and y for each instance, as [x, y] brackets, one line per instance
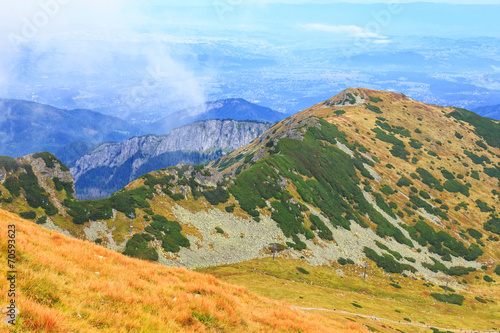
[410, 192]
[29, 127]
[232, 108]
[196, 143]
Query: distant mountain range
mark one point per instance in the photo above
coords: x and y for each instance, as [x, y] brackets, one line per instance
[236, 109]
[111, 166]
[28, 127]
[491, 111]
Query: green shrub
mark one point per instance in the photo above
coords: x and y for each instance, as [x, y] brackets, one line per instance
[450, 289]
[137, 247]
[373, 108]
[454, 186]
[475, 174]
[13, 185]
[447, 174]
[449, 298]
[387, 190]
[50, 160]
[9, 164]
[219, 230]
[429, 179]
[168, 232]
[397, 286]
[67, 186]
[416, 144]
[476, 159]
[493, 225]
[458, 135]
[497, 270]
[375, 99]
[488, 278]
[403, 181]
[219, 195]
[387, 262]
[474, 233]
[230, 208]
[31, 215]
[302, 270]
[425, 195]
[483, 206]
[41, 220]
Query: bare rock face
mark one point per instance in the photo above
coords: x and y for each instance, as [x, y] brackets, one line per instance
[121, 163]
[45, 173]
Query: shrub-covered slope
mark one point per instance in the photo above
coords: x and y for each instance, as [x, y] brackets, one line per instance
[65, 285]
[366, 175]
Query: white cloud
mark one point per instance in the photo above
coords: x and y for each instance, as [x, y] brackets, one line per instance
[350, 30]
[382, 41]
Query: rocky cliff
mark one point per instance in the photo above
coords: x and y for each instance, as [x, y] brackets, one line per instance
[111, 166]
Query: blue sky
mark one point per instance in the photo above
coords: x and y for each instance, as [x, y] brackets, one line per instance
[91, 47]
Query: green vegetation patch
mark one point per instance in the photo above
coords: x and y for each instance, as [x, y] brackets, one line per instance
[428, 179]
[487, 128]
[476, 159]
[336, 194]
[66, 186]
[376, 99]
[9, 164]
[373, 108]
[168, 233]
[455, 186]
[50, 160]
[441, 242]
[137, 247]
[387, 262]
[449, 298]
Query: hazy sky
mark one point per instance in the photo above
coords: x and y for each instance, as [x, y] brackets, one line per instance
[84, 42]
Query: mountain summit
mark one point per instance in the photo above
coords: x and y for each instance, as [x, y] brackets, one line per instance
[365, 175]
[232, 108]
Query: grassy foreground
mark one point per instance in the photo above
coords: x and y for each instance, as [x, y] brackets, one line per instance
[345, 297]
[69, 285]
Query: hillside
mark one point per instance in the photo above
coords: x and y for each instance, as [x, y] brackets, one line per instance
[64, 284]
[232, 108]
[367, 176]
[28, 127]
[111, 166]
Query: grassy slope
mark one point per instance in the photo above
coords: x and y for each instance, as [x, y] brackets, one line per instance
[325, 288]
[66, 284]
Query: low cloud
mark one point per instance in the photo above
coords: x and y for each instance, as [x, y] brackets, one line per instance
[350, 30]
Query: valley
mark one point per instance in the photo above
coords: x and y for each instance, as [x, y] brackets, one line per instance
[365, 178]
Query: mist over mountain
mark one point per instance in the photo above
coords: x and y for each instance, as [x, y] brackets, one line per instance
[28, 127]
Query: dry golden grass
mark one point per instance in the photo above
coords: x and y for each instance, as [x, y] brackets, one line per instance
[65, 284]
[325, 288]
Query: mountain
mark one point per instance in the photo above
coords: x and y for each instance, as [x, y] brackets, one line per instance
[73, 285]
[365, 176]
[28, 127]
[236, 109]
[492, 111]
[111, 166]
